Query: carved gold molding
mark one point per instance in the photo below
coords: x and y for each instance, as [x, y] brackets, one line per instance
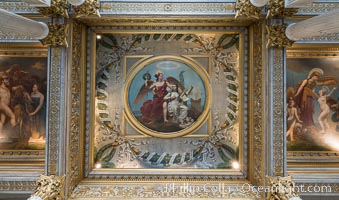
[89, 7]
[257, 121]
[75, 99]
[276, 8]
[281, 188]
[171, 190]
[49, 187]
[57, 8]
[278, 103]
[276, 36]
[246, 9]
[57, 35]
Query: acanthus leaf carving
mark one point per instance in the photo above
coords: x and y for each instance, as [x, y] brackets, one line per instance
[57, 35]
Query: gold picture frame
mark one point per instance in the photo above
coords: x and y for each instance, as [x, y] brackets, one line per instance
[319, 155]
[25, 64]
[20, 164]
[87, 178]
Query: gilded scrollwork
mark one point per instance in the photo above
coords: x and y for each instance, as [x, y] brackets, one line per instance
[57, 8]
[57, 35]
[276, 36]
[276, 8]
[246, 9]
[180, 190]
[75, 121]
[88, 8]
[258, 106]
[49, 187]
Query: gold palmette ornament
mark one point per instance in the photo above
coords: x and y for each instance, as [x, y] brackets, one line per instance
[276, 36]
[57, 35]
[88, 8]
[281, 188]
[246, 9]
[57, 8]
[49, 188]
[276, 8]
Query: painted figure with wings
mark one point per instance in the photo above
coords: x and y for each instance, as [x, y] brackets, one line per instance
[157, 108]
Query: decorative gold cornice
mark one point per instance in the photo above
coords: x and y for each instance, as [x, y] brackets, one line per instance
[89, 7]
[151, 190]
[276, 8]
[281, 188]
[246, 9]
[57, 35]
[57, 8]
[175, 21]
[276, 36]
[49, 187]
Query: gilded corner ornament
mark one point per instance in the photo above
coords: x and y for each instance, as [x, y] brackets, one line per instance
[246, 9]
[57, 35]
[276, 8]
[281, 188]
[89, 7]
[57, 8]
[276, 36]
[49, 187]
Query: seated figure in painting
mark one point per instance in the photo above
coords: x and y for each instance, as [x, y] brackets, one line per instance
[169, 100]
[177, 110]
[154, 109]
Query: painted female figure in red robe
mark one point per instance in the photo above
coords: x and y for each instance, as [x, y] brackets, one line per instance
[155, 109]
[304, 95]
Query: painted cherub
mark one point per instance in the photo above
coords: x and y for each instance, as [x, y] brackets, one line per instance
[292, 118]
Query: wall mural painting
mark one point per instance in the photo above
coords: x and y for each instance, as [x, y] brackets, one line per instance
[154, 104]
[23, 103]
[312, 104]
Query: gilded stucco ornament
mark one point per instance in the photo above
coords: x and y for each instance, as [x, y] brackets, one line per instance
[276, 8]
[49, 188]
[57, 35]
[276, 36]
[57, 8]
[282, 188]
[246, 9]
[89, 7]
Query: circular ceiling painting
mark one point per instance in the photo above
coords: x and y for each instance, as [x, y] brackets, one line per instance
[167, 96]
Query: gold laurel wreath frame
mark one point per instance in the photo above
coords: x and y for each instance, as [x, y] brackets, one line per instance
[202, 118]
